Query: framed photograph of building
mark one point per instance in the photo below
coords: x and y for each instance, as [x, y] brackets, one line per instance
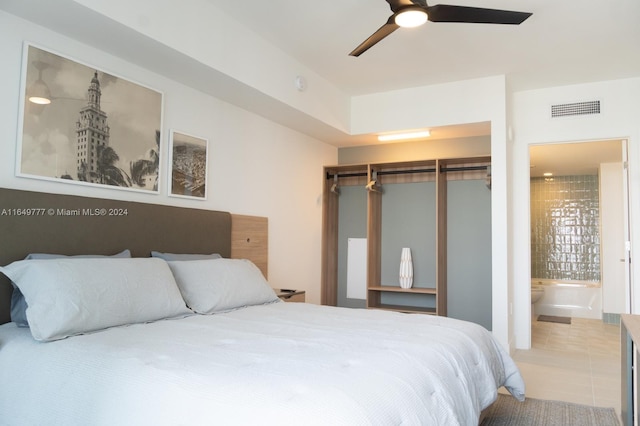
[188, 165]
[82, 125]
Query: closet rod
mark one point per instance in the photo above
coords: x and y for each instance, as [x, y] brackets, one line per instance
[462, 168]
[342, 175]
[401, 172]
[442, 170]
[409, 171]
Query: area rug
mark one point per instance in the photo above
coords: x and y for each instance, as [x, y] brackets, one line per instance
[508, 411]
[550, 318]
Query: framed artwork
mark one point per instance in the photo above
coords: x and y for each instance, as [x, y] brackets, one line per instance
[85, 126]
[188, 166]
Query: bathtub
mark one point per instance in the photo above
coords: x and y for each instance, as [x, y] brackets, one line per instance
[576, 299]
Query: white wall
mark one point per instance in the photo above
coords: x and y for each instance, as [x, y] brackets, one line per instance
[256, 167]
[203, 32]
[469, 101]
[531, 124]
[476, 146]
[612, 238]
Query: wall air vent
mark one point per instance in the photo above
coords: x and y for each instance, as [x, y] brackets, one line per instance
[578, 108]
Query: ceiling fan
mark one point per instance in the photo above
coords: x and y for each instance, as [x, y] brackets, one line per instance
[412, 13]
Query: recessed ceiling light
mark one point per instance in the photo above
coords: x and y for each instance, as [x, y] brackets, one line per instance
[401, 136]
[547, 174]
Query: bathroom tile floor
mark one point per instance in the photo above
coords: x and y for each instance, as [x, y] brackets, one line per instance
[577, 362]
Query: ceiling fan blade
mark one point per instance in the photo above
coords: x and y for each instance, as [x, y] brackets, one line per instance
[477, 15]
[382, 32]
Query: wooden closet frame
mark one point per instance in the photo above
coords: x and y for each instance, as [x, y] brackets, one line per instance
[361, 174]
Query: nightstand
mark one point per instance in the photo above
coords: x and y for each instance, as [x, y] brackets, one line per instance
[290, 295]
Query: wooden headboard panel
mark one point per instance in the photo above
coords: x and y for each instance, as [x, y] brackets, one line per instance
[35, 222]
[250, 240]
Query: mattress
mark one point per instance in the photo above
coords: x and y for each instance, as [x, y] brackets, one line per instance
[274, 364]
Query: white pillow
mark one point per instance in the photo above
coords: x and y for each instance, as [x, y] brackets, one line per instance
[18, 304]
[210, 286]
[72, 296]
[184, 256]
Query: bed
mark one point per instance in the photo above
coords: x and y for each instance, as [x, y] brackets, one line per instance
[165, 339]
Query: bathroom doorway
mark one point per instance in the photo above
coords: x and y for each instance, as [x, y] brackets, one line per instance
[579, 231]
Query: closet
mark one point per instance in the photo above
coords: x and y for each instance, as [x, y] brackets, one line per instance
[440, 209]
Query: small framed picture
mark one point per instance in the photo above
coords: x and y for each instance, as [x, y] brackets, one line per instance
[188, 160]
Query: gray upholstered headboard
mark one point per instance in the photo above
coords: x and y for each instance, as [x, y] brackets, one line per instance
[35, 222]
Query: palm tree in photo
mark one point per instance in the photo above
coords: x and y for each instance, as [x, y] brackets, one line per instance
[145, 167]
[107, 171]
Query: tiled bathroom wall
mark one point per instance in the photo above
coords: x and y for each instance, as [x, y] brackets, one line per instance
[565, 230]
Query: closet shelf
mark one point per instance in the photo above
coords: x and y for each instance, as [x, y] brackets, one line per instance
[398, 289]
[406, 309]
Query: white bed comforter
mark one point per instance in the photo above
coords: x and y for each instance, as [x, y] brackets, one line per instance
[279, 364]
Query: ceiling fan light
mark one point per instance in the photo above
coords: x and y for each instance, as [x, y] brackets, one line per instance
[411, 17]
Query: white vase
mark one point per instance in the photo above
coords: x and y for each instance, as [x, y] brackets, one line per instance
[406, 268]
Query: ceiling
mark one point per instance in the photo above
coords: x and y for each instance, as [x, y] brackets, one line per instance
[563, 42]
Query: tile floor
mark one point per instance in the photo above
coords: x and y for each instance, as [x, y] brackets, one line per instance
[577, 362]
